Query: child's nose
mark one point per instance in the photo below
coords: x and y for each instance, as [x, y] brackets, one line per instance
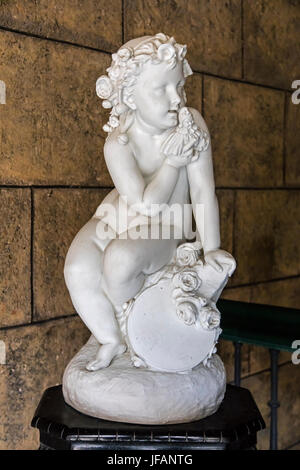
[175, 99]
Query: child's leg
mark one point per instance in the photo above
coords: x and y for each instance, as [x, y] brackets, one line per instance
[83, 277]
[127, 262]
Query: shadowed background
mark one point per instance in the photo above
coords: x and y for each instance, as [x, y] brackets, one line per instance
[245, 55]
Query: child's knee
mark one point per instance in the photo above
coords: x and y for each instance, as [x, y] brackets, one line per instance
[78, 276]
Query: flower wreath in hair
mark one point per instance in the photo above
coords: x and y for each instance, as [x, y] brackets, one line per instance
[117, 88]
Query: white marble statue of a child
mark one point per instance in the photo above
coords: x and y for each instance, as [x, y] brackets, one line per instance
[145, 89]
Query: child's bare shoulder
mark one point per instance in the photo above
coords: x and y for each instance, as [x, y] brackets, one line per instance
[113, 148]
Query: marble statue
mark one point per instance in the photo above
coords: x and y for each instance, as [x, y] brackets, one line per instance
[142, 281]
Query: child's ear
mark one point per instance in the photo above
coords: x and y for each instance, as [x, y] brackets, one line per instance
[129, 101]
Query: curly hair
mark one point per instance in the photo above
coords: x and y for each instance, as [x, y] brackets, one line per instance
[116, 88]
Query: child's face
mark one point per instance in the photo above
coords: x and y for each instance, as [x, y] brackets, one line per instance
[158, 95]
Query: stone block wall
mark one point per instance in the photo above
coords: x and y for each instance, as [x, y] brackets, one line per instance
[245, 55]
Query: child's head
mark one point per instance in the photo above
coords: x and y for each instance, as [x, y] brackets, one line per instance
[131, 71]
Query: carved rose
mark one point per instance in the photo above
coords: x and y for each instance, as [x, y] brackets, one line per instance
[187, 281]
[113, 121]
[124, 54]
[186, 255]
[107, 104]
[114, 72]
[186, 312]
[166, 52]
[209, 317]
[104, 87]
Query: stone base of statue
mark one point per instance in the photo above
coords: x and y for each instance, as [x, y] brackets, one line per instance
[122, 392]
[170, 372]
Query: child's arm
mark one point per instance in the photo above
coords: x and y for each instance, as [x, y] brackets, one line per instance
[205, 204]
[130, 183]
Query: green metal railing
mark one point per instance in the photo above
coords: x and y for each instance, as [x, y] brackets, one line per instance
[275, 328]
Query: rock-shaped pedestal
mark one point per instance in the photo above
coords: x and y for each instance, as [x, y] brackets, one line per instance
[125, 393]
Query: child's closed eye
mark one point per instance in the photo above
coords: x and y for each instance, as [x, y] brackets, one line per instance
[159, 91]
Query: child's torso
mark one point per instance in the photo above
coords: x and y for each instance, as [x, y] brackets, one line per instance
[149, 159]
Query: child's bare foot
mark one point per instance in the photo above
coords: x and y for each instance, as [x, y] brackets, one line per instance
[105, 355]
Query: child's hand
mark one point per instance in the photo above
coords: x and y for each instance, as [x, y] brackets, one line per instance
[218, 258]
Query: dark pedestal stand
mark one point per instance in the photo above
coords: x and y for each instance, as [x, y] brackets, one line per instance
[234, 426]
